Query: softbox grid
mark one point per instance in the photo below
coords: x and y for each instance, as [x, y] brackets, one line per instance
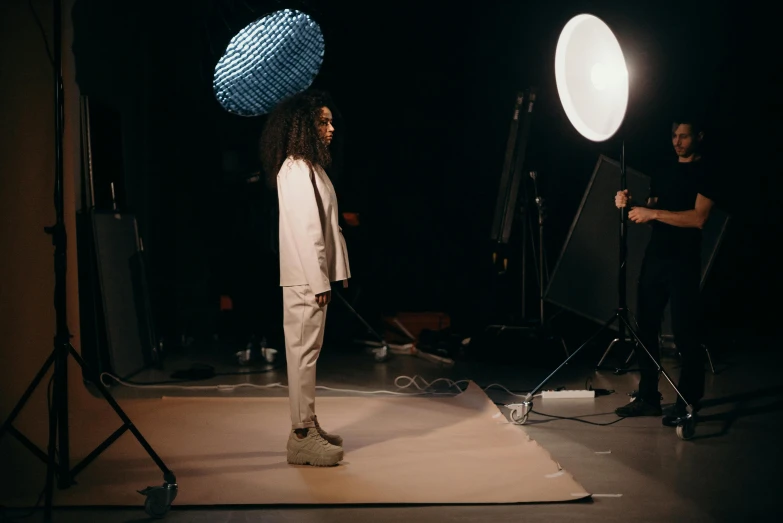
[270, 59]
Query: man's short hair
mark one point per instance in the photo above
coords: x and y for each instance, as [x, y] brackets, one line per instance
[688, 119]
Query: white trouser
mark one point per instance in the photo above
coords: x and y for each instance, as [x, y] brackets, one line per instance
[303, 324]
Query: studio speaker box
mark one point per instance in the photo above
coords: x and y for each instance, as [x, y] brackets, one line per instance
[585, 278]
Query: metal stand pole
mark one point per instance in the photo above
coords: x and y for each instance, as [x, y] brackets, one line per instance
[381, 353]
[57, 457]
[543, 272]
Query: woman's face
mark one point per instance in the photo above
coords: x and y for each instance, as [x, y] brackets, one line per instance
[325, 128]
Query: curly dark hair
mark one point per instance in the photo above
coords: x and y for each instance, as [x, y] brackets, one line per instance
[291, 130]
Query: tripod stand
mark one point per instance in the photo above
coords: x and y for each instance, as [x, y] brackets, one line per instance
[539, 325]
[57, 457]
[686, 424]
[505, 213]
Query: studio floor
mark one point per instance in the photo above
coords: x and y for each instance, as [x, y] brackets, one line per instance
[636, 469]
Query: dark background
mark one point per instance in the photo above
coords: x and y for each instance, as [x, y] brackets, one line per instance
[425, 90]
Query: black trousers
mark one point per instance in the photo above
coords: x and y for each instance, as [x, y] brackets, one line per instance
[665, 280]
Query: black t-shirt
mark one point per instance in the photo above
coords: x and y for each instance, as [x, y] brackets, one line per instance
[676, 188]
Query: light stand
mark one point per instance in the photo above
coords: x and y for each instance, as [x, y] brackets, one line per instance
[622, 300]
[539, 325]
[538, 254]
[598, 119]
[505, 212]
[542, 265]
[57, 458]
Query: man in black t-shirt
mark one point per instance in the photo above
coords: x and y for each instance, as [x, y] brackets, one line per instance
[677, 208]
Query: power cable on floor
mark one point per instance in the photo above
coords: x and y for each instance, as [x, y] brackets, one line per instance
[425, 388]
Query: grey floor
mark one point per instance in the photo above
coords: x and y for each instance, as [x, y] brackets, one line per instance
[637, 469]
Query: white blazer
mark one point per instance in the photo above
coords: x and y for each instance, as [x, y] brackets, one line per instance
[312, 247]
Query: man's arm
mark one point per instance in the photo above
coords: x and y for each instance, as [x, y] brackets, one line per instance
[694, 218]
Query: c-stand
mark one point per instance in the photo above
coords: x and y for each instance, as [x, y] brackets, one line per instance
[57, 458]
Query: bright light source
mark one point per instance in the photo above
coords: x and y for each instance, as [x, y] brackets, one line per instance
[272, 58]
[591, 76]
[599, 76]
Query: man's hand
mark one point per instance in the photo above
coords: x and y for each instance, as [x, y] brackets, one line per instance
[641, 215]
[622, 198]
[324, 298]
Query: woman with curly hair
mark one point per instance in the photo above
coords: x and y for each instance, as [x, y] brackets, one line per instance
[294, 154]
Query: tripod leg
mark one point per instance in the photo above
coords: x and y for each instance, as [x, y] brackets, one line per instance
[606, 352]
[158, 499]
[26, 396]
[709, 358]
[565, 347]
[520, 412]
[8, 423]
[589, 340]
[658, 365]
[364, 322]
[60, 406]
[168, 475]
[51, 463]
[382, 353]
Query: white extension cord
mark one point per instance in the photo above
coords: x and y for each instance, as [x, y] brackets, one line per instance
[416, 381]
[567, 394]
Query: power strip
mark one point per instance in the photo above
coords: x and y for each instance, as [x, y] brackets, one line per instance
[567, 394]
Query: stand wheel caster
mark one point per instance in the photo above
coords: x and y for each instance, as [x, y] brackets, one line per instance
[686, 428]
[154, 508]
[519, 419]
[520, 412]
[159, 499]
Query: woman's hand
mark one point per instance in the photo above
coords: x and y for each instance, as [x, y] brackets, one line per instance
[324, 298]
